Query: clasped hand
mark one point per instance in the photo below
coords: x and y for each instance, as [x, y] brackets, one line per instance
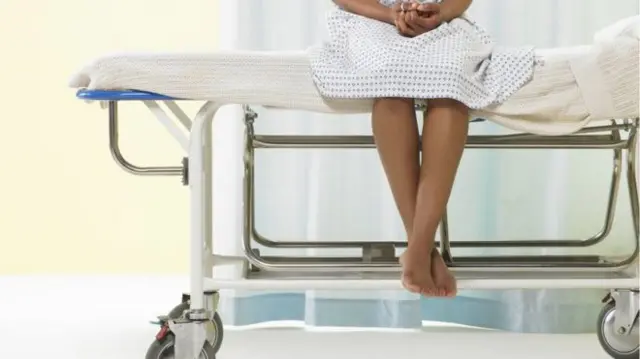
[413, 18]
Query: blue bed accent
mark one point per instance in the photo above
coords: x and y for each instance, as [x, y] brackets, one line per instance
[133, 95]
[120, 95]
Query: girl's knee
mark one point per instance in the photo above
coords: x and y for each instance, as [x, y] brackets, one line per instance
[446, 103]
[393, 102]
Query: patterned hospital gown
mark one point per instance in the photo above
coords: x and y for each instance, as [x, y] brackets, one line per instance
[365, 58]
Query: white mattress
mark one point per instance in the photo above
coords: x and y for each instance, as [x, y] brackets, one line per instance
[571, 87]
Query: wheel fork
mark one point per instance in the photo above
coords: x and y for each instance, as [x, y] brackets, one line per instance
[627, 304]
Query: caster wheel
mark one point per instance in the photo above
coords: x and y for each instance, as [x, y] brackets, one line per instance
[164, 349]
[618, 346]
[215, 326]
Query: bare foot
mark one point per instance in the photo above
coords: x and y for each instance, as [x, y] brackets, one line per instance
[416, 270]
[442, 276]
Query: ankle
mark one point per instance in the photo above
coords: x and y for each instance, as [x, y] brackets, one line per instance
[422, 244]
[423, 234]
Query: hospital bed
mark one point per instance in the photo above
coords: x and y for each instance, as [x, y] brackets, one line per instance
[579, 98]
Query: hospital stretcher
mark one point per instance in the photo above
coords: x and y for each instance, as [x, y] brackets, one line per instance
[194, 329]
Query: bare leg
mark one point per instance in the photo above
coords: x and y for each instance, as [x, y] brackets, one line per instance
[443, 140]
[397, 138]
[396, 134]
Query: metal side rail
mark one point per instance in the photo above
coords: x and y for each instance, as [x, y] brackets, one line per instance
[558, 263]
[587, 138]
[556, 243]
[474, 142]
[613, 139]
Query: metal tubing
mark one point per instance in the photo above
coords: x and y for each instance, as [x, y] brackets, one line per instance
[247, 187]
[208, 197]
[200, 207]
[624, 126]
[114, 146]
[331, 264]
[518, 140]
[345, 264]
[445, 243]
[632, 163]
[473, 142]
[490, 261]
[613, 195]
[572, 243]
[533, 243]
[316, 264]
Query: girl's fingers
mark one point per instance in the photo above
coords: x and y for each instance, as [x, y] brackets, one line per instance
[402, 26]
[411, 21]
[429, 8]
[408, 17]
[416, 23]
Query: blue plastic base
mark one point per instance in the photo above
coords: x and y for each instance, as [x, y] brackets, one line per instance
[116, 95]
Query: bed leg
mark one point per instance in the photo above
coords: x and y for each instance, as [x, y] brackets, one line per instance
[208, 200]
[200, 179]
[191, 336]
[618, 322]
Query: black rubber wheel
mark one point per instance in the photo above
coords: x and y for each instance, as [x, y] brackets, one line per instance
[618, 346]
[216, 323]
[164, 349]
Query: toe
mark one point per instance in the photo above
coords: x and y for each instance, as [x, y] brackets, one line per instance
[430, 290]
[432, 293]
[453, 292]
[452, 289]
[409, 285]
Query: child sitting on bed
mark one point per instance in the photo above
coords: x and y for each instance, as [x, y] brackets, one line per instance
[399, 51]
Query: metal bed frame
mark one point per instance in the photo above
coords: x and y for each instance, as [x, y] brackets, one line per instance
[194, 327]
[377, 256]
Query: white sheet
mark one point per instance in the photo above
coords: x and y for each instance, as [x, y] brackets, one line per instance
[571, 87]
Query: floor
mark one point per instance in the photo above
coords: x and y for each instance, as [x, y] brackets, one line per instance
[107, 318]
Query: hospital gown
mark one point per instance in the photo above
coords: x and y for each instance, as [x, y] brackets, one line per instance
[365, 58]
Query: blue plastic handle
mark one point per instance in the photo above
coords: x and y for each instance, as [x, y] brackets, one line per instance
[117, 95]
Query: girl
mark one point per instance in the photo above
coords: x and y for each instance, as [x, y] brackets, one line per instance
[394, 53]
